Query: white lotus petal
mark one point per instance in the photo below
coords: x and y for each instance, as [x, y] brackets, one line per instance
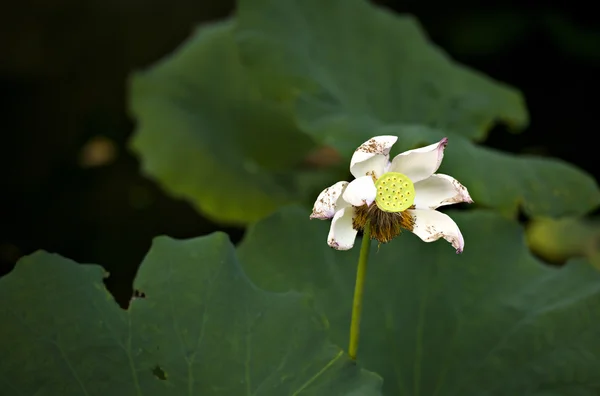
[329, 201]
[372, 156]
[431, 225]
[341, 233]
[419, 164]
[360, 191]
[439, 190]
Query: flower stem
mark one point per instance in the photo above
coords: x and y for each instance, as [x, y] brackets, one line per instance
[361, 273]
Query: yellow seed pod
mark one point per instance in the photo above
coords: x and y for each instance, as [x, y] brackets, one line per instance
[395, 192]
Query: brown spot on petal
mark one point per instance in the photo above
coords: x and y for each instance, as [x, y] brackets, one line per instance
[324, 207]
[372, 146]
[372, 174]
[431, 230]
[462, 194]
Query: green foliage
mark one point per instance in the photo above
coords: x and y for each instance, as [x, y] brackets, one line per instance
[358, 67]
[492, 321]
[361, 71]
[556, 240]
[206, 132]
[226, 121]
[202, 328]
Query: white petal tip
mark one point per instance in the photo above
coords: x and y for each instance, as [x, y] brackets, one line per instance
[464, 197]
[464, 193]
[441, 148]
[337, 245]
[459, 246]
[457, 242]
[321, 214]
[333, 244]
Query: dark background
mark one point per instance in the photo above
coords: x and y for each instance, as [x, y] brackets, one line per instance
[69, 184]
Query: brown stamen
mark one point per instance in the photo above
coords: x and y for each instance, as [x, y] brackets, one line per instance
[385, 226]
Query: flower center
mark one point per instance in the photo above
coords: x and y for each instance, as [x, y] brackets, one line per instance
[395, 192]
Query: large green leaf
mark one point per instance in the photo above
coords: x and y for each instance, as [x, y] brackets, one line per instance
[207, 134]
[359, 71]
[357, 66]
[492, 321]
[199, 328]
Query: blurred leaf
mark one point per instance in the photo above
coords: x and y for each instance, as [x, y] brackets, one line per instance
[543, 186]
[207, 134]
[557, 240]
[198, 327]
[355, 67]
[359, 71]
[492, 321]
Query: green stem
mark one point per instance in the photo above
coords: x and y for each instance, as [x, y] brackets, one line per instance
[359, 288]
